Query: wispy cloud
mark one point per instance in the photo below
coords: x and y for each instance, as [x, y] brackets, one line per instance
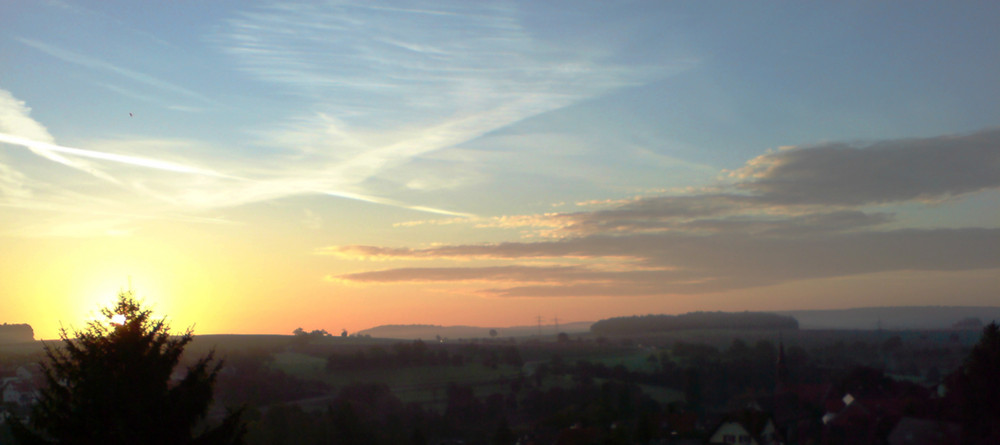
[517, 274]
[388, 83]
[98, 64]
[380, 85]
[685, 264]
[15, 118]
[790, 215]
[217, 189]
[106, 20]
[16, 124]
[155, 164]
[247, 191]
[13, 184]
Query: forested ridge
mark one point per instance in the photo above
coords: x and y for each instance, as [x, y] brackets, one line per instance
[693, 320]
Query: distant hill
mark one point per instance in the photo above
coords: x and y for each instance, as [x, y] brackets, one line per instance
[648, 324]
[899, 317]
[430, 332]
[16, 333]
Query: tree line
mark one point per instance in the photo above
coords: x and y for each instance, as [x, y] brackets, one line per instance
[16, 333]
[115, 382]
[646, 324]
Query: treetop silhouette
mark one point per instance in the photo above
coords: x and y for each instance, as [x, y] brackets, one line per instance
[111, 383]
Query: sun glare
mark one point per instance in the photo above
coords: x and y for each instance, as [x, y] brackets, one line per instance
[118, 319]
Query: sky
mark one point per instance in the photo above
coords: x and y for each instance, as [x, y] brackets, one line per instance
[258, 166]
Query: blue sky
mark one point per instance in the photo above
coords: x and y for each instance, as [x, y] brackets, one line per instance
[307, 132]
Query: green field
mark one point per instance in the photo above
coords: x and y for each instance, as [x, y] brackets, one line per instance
[425, 385]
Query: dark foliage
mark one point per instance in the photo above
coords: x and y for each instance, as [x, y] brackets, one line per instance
[302, 337]
[968, 323]
[363, 413]
[417, 353]
[865, 382]
[573, 399]
[980, 388]
[111, 384]
[695, 320]
[249, 379]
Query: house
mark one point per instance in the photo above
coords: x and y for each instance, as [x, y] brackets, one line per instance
[862, 421]
[19, 392]
[19, 388]
[747, 427]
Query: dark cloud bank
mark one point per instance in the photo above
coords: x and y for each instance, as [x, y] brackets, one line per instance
[790, 215]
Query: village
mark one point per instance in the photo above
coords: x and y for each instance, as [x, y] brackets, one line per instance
[708, 386]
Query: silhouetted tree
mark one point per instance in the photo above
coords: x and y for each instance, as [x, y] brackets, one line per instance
[693, 389]
[111, 384]
[981, 388]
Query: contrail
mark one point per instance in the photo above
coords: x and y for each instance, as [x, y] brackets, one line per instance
[394, 203]
[179, 168]
[95, 63]
[123, 159]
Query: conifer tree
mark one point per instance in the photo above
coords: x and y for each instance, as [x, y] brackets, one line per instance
[980, 388]
[111, 384]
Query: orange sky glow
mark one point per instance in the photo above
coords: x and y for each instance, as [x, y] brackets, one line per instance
[255, 167]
